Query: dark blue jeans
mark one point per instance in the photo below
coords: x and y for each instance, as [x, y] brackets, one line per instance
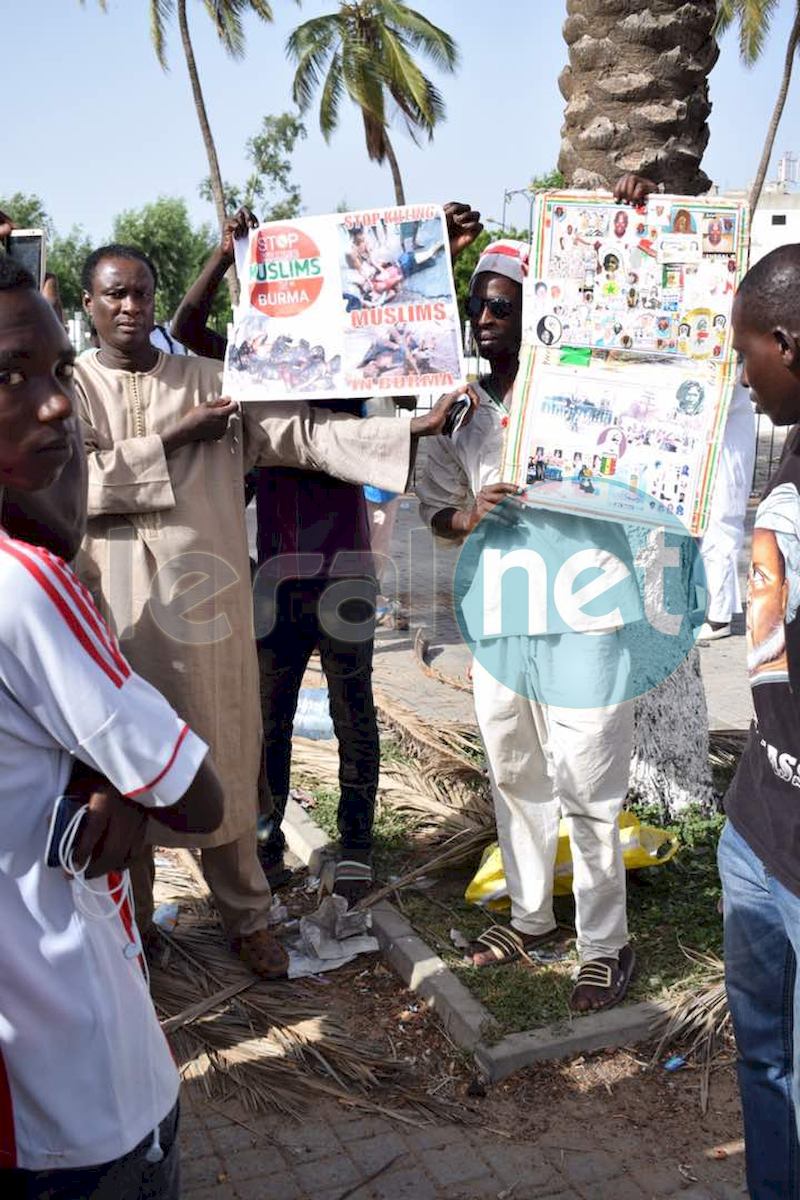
[762, 940]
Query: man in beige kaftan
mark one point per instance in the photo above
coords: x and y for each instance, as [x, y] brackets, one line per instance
[166, 550]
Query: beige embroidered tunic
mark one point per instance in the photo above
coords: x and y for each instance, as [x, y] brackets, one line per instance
[166, 549]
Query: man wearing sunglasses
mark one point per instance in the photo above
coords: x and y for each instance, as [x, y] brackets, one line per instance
[544, 762]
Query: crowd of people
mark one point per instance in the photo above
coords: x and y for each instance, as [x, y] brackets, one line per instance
[146, 672]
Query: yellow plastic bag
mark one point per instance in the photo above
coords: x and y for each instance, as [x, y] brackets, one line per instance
[642, 846]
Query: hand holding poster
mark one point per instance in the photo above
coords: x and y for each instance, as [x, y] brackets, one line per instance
[626, 367]
[352, 304]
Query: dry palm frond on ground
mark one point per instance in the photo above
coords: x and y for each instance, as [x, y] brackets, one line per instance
[457, 746]
[699, 1021]
[421, 648]
[433, 799]
[725, 748]
[269, 1045]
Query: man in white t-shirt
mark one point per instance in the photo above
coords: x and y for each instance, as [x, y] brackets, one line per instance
[88, 1088]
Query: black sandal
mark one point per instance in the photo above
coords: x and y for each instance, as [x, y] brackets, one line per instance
[602, 982]
[507, 945]
[353, 880]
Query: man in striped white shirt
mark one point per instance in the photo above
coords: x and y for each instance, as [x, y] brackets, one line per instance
[88, 1088]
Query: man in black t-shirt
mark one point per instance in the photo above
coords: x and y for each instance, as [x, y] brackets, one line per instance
[759, 852]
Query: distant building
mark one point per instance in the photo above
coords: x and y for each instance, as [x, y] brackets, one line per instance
[776, 222]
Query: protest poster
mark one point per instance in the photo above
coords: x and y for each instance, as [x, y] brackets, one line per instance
[351, 304]
[627, 367]
[658, 279]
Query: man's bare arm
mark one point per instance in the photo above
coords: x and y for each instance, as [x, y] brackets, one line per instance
[190, 323]
[114, 828]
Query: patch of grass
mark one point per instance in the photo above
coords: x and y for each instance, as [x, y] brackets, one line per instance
[392, 751]
[392, 830]
[670, 905]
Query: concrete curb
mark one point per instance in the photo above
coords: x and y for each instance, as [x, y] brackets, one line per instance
[304, 837]
[598, 1031]
[421, 969]
[465, 1019]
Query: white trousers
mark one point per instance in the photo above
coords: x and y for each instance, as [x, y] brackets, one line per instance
[546, 762]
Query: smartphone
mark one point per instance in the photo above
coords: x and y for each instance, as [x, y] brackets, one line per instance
[27, 247]
[64, 810]
[455, 418]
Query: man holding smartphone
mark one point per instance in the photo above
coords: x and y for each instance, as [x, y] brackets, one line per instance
[88, 1088]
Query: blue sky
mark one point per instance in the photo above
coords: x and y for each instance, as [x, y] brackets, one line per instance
[93, 125]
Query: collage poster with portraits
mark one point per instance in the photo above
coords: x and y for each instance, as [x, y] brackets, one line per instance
[352, 304]
[627, 364]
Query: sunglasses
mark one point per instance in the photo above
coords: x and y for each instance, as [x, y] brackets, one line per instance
[498, 306]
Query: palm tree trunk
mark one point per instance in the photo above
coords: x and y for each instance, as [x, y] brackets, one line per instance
[769, 141]
[215, 175]
[636, 88]
[399, 193]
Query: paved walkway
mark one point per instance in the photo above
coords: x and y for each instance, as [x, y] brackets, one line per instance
[335, 1155]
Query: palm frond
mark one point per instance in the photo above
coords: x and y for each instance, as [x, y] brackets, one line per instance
[374, 137]
[271, 1046]
[160, 13]
[422, 34]
[310, 46]
[374, 40]
[331, 97]
[698, 1021]
[753, 18]
[405, 82]
[361, 75]
[227, 18]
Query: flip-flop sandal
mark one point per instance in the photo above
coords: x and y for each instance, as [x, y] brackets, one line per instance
[603, 982]
[506, 945]
[352, 879]
[263, 954]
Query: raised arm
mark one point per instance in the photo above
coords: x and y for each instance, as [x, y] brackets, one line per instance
[190, 323]
[463, 226]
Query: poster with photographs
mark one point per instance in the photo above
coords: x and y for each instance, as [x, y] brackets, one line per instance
[627, 365]
[352, 304]
[613, 436]
[657, 279]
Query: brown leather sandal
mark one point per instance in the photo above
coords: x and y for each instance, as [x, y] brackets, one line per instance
[602, 982]
[263, 954]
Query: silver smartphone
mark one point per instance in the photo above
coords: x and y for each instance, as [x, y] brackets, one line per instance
[28, 248]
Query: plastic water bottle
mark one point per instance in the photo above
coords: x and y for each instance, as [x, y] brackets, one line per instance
[312, 718]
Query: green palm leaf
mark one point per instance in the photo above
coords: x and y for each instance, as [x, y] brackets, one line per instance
[753, 18]
[331, 97]
[422, 34]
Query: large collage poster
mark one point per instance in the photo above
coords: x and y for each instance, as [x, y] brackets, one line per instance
[627, 365]
[353, 304]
